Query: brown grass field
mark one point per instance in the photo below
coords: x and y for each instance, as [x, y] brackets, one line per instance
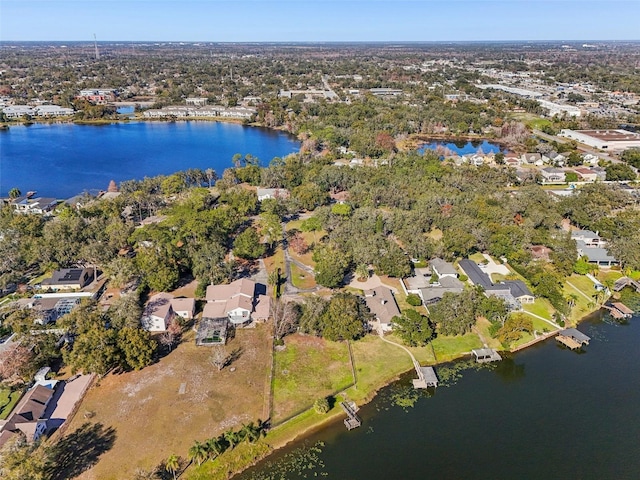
[152, 420]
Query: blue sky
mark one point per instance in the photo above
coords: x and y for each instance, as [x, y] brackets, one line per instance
[319, 20]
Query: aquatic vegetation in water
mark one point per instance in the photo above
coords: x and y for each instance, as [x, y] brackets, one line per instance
[450, 374]
[303, 462]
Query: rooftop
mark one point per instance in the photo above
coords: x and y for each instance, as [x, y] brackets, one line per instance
[611, 135]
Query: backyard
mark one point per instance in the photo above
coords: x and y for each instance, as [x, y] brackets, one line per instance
[8, 400]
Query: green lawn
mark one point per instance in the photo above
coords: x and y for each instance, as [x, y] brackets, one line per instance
[300, 278]
[539, 325]
[8, 399]
[448, 348]
[478, 258]
[613, 275]
[540, 307]
[583, 306]
[307, 369]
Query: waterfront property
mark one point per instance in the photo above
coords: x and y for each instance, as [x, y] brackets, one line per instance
[38, 205]
[238, 301]
[383, 306]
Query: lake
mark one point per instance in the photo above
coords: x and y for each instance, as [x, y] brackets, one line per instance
[545, 413]
[462, 147]
[61, 160]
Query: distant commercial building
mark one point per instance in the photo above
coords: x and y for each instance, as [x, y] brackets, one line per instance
[617, 140]
[99, 96]
[17, 111]
[560, 109]
[385, 92]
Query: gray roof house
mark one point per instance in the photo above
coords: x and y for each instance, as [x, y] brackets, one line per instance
[590, 239]
[597, 255]
[552, 175]
[434, 294]
[382, 305]
[442, 268]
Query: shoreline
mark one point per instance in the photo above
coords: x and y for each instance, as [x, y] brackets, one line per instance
[306, 431]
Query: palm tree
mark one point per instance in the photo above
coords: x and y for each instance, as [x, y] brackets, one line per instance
[172, 465]
[198, 453]
[214, 447]
[572, 299]
[231, 438]
[252, 432]
[14, 193]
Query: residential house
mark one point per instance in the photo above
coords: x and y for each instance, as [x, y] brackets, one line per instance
[433, 293]
[519, 291]
[589, 238]
[264, 193]
[556, 159]
[158, 313]
[27, 416]
[476, 275]
[443, 269]
[234, 301]
[586, 174]
[598, 255]
[532, 159]
[184, 307]
[38, 205]
[17, 111]
[69, 279]
[512, 159]
[383, 306]
[590, 159]
[48, 309]
[552, 175]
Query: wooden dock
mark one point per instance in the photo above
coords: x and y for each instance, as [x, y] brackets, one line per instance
[352, 421]
[572, 338]
[626, 282]
[618, 310]
[486, 355]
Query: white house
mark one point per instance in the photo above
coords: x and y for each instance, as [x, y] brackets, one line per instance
[443, 269]
[158, 313]
[264, 193]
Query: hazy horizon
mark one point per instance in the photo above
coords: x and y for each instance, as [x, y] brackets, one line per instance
[319, 21]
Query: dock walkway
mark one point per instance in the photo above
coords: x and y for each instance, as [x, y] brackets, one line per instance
[352, 421]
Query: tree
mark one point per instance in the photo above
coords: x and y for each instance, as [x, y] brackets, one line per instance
[21, 460]
[632, 157]
[362, 272]
[137, 347]
[310, 195]
[574, 160]
[247, 244]
[331, 265]
[286, 315]
[15, 363]
[344, 318]
[14, 193]
[499, 158]
[126, 311]
[311, 320]
[231, 438]
[172, 464]
[198, 453]
[219, 357]
[214, 447]
[271, 228]
[211, 175]
[208, 264]
[455, 314]
[514, 327]
[298, 244]
[95, 351]
[620, 171]
[413, 328]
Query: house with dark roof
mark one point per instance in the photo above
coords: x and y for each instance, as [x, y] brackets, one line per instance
[69, 279]
[27, 416]
[383, 306]
[476, 275]
[39, 205]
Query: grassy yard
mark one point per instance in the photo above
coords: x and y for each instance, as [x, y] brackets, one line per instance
[540, 307]
[583, 305]
[377, 363]
[307, 369]
[8, 400]
[153, 419]
[478, 258]
[538, 325]
[447, 348]
[300, 278]
[482, 325]
[612, 275]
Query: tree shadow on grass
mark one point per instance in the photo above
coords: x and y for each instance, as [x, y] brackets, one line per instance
[80, 450]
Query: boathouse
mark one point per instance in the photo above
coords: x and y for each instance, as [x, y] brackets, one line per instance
[486, 355]
[573, 338]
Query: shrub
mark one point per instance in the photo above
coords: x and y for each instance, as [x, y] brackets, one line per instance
[463, 278]
[414, 300]
[321, 405]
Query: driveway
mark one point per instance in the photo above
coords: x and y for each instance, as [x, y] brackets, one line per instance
[493, 267]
